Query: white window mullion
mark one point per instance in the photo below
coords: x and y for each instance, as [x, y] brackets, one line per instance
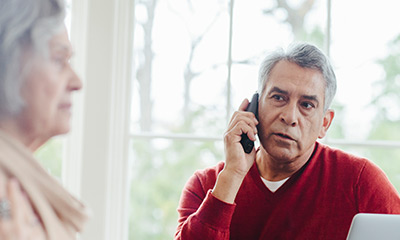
[119, 181]
[71, 175]
[229, 63]
[102, 35]
[328, 28]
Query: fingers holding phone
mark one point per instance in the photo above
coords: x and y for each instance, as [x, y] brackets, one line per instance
[242, 123]
[240, 136]
[237, 161]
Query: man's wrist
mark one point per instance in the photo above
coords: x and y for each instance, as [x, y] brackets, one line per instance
[227, 186]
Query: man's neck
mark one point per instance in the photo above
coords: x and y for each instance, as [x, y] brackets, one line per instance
[274, 169]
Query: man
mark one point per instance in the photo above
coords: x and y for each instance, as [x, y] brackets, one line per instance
[292, 187]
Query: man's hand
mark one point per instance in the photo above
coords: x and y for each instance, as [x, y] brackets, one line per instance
[237, 162]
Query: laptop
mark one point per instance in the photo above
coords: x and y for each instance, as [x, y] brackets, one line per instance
[372, 226]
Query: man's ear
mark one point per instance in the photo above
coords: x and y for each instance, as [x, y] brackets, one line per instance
[329, 114]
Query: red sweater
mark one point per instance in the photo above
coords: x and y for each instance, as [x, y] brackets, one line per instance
[317, 202]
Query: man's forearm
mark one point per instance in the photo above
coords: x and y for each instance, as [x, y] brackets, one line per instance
[227, 186]
[210, 221]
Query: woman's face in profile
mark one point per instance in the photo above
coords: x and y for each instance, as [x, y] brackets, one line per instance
[47, 90]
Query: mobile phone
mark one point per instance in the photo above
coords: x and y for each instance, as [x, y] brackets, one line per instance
[247, 144]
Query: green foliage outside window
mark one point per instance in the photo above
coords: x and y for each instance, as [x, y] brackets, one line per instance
[50, 156]
[159, 175]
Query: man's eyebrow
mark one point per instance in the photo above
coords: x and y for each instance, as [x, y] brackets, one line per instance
[310, 97]
[278, 90]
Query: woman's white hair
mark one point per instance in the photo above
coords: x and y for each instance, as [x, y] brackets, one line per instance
[24, 26]
[307, 56]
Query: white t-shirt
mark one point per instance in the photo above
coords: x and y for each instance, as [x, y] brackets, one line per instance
[273, 185]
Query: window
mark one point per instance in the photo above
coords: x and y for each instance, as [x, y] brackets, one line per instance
[196, 60]
[366, 57]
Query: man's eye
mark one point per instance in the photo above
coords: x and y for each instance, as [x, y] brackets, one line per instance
[308, 105]
[278, 97]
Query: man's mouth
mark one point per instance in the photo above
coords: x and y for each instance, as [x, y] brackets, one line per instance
[282, 135]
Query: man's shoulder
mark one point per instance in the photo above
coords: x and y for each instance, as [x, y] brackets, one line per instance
[336, 154]
[205, 178]
[342, 160]
[349, 166]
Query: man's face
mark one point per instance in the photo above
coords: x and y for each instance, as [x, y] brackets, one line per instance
[291, 112]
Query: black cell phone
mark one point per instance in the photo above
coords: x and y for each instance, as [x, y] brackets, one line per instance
[247, 144]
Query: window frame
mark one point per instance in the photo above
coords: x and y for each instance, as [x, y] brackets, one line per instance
[96, 148]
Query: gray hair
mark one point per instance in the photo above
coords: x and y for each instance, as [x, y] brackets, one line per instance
[304, 55]
[24, 26]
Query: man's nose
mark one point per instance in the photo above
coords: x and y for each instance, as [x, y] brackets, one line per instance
[289, 115]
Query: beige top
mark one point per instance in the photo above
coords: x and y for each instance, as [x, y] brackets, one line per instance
[61, 213]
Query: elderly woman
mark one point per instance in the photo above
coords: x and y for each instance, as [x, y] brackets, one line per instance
[36, 83]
